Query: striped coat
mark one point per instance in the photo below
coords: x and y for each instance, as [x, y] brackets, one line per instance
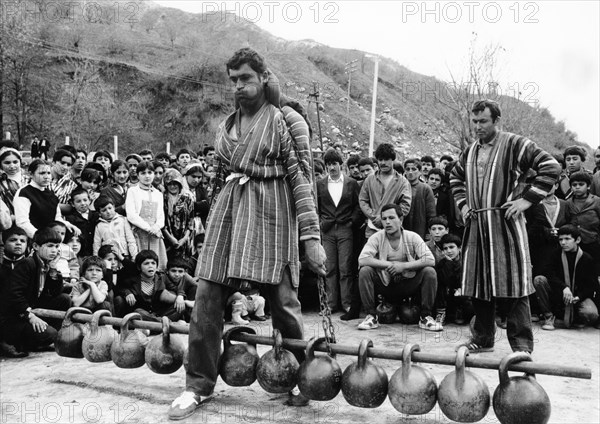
[253, 227]
[496, 259]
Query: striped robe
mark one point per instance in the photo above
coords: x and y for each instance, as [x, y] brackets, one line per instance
[253, 227]
[496, 259]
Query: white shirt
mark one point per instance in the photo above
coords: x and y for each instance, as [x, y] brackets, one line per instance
[335, 188]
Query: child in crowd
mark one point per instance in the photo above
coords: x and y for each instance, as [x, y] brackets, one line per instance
[179, 282]
[113, 229]
[90, 181]
[179, 213]
[438, 227]
[91, 291]
[568, 287]
[145, 211]
[449, 299]
[31, 285]
[244, 304]
[66, 262]
[83, 218]
[165, 159]
[183, 158]
[145, 293]
[112, 265]
[583, 211]
[159, 172]
[198, 243]
[74, 242]
[15, 248]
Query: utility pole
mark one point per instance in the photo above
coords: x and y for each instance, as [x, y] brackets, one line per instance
[349, 69]
[374, 103]
[315, 94]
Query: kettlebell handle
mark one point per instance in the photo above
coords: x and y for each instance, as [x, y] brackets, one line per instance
[235, 330]
[277, 343]
[510, 359]
[125, 323]
[409, 348]
[461, 357]
[310, 347]
[74, 310]
[166, 331]
[365, 344]
[96, 319]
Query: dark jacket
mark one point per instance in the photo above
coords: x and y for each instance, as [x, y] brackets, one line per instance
[586, 276]
[133, 285]
[23, 286]
[87, 227]
[347, 210]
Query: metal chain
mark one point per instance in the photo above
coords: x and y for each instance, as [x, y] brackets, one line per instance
[328, 328]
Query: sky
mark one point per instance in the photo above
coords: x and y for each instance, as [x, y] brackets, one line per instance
[549, 50]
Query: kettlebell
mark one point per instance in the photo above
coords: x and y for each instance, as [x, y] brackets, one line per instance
[277, 370]
[320, 377]
[520, 399]
[238, 361]
[99, 339]
[127, 350]
[409, 314]
[413, 389]
[70, 336]
[463, 396]
[386, 312]
[164, 354]
[364, 384]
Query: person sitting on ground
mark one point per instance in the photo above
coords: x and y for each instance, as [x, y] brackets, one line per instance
[145, 292]
[438, 227]
[91, 291]
[83, 218]
[33, 284]
[15, 246]
[570, 281]
[179, 282]
[450, 303]
[113, 229]
[396, 263]
[246, 305]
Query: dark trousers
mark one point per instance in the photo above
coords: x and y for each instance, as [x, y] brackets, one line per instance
[123, 308]
[423, 283]
[518, 323]
[206, 327]
[338, 243]
[19, 332]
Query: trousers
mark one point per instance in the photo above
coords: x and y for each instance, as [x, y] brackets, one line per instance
[206, 327]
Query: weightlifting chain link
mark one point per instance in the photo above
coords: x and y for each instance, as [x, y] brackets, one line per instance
[328, 329]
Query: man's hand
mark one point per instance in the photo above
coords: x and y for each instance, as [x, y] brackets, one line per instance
[465, 212]
[130, 299]
[567, 296]
[315, 256]
[396, 268]
[179, 304]
[515, 207]
[38, 324]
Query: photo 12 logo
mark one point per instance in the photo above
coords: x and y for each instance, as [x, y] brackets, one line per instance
[272, 11]
[469, 11]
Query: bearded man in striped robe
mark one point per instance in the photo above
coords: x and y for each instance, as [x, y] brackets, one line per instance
[495, 180]
[253, 228]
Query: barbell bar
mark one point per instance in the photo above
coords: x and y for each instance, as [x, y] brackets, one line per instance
[381, 353]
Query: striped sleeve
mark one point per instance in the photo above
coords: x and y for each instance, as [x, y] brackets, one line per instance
[302, 188]
[457, 181]
[531, 156]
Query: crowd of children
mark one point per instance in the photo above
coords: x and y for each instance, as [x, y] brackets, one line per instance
[124, 236]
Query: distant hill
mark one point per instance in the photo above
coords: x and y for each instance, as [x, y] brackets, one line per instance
[153, 75]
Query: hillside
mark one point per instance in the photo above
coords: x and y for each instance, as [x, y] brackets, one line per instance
[153, 75]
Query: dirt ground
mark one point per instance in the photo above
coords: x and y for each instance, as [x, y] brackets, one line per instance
[46, 388]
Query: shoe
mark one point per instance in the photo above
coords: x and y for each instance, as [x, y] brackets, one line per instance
[11, 351]
[185, 405]
[351, 314]
[459, 318]
[535, 318]
[369, 323]
[258, 318]
[548, 323]
[475, 348]
[295, 398]
[428, 323]
[440, 318]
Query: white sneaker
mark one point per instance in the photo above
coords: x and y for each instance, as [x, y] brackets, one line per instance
[370, 323]
[185, 405]
[428, 323]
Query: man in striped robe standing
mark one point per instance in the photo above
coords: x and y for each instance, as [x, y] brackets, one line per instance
[253, 228]
[489, 184]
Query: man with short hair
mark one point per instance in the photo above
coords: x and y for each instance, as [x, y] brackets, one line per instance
[396, 263]
[489, 183]
[366, 168]
[352, 165]
[264, 210]
[427, 164]
[147, 154]
[384, 186]
[209, 155]
[445, 160]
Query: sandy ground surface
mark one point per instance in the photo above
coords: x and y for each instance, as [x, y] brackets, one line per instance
[46, 388]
